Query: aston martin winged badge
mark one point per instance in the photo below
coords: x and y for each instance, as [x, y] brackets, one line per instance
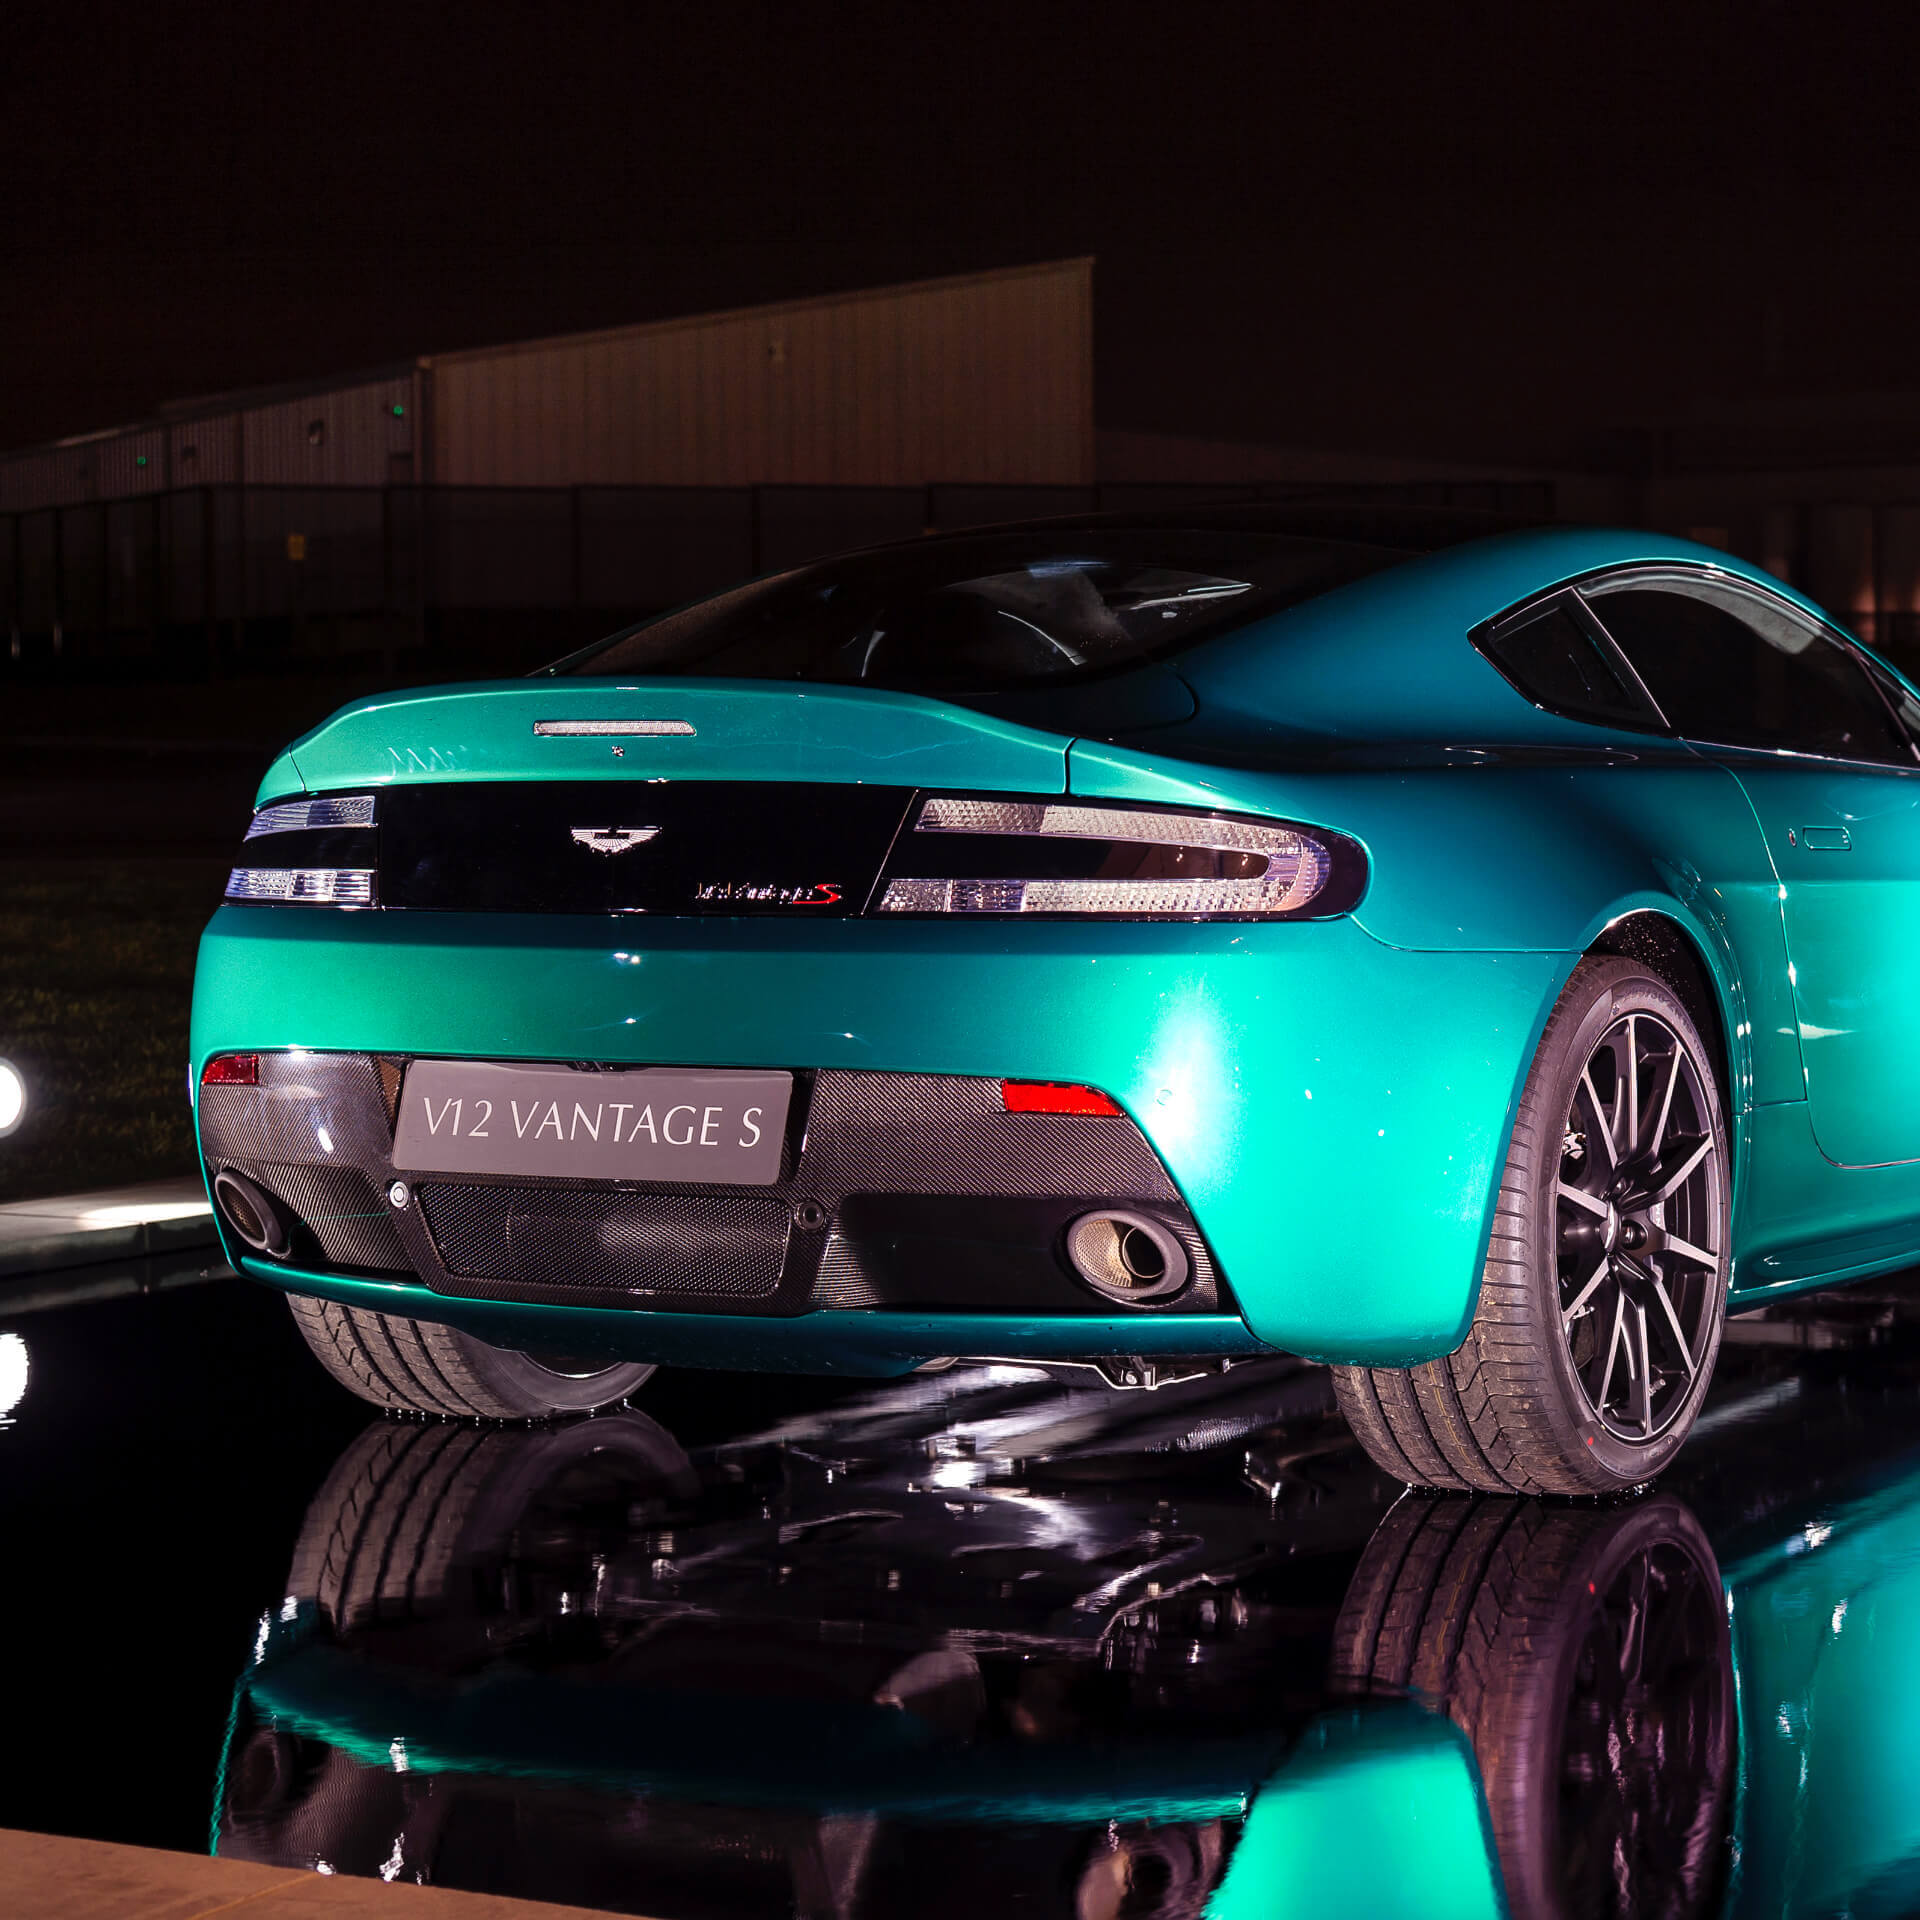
[613, 839]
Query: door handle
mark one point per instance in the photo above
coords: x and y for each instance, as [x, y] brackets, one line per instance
[1825, 839]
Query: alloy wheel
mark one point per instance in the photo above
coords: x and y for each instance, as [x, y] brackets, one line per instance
[1637, 1227]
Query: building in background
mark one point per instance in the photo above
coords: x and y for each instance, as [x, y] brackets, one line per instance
[985, 379]
[489, 508]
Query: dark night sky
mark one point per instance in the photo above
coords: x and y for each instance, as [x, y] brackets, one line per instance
[1484, 231]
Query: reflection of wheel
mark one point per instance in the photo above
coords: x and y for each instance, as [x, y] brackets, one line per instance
[1585, 1654]
[1606, 1278]
[407, 1552]
[415, 1366]
[1150, 1873]
[405, 1505]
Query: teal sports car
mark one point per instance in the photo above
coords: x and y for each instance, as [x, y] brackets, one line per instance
[1135, 944]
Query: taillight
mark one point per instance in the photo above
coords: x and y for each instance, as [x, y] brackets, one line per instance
[307, 816]
[317, 851]
[303, 886]
[231, 1070]
[975, 856]
[1044, 1096]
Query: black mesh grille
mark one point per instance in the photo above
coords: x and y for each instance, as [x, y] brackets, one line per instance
[343, 1211]
[948, 1133]
[730, 1246]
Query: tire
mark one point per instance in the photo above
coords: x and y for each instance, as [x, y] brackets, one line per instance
[412, 1556]
[418, 1366]
[1537, 1398]
[408, 1512]
[1585, 1655]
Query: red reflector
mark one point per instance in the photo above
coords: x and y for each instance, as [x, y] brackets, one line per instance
[1043, 1096]
[232, 1070]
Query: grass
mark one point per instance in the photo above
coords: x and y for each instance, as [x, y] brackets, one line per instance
[96, 978]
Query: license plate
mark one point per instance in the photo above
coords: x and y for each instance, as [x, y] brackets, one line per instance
[639, 1123]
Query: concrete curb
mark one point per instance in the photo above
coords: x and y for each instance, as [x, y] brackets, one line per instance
[162, 1217]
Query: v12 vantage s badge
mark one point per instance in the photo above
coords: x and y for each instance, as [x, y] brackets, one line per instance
[1192, 932]
[642, 1123]
[758, 893]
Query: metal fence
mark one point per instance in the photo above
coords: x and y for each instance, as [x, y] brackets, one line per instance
[241, 578]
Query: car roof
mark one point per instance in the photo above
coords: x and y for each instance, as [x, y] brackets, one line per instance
[1479, 562]
[1388, 658]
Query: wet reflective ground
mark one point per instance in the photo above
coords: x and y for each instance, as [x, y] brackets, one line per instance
[977, 1641]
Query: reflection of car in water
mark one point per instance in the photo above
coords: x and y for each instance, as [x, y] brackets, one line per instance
[979, 1641]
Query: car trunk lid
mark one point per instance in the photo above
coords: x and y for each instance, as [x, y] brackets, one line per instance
[675, 729]
[668, 797]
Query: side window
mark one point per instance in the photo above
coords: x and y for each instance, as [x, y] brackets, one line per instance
[1741, 671]
[1899, 696]
[1551, 658]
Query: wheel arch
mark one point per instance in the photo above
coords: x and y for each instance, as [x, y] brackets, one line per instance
[1667, 948]
[1692, 954]
[1696, 960]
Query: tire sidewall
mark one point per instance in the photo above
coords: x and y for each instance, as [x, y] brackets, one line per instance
[519, 1380]
[1611, 989]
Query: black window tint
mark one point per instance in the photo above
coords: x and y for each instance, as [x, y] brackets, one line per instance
[1899, 696]
[1757, 678]
[1557, 664]
[974, 612]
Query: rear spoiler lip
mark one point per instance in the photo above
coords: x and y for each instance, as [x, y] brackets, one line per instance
[679, 729]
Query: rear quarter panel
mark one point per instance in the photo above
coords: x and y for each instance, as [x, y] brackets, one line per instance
[1482, 862]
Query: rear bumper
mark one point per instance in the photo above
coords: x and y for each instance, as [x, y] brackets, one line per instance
[1331, 1110]
[873, 1344]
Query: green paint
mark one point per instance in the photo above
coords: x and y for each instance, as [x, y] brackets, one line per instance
[1264, 1063]
[1333, 1099]
[1379, 1814]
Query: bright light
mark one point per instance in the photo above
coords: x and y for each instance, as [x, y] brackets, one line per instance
[13, 1373]
[139, 1213]
[13, 1096]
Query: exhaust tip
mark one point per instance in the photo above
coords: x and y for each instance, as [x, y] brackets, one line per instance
[251, 1214]
[1128, 1257]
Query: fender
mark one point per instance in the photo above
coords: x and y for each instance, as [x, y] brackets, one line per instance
[1508, 855]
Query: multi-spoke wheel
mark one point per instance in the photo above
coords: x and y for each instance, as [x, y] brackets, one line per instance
[1606, 1278]
[1638, 1210]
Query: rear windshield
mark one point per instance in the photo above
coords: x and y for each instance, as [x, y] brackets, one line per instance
[987, 612]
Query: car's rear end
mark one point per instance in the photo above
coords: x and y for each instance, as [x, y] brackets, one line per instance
[653, 1011]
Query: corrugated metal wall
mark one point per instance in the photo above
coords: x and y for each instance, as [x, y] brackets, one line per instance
[131, 463]
[56, 476]
[205, 452]
[356, 435]
[20, 482]
[102, 466]
[346, 437]
[986, 379]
